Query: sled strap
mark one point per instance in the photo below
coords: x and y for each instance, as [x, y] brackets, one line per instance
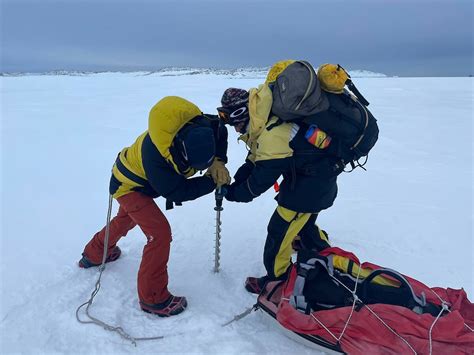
[298, 300]
[419, 302]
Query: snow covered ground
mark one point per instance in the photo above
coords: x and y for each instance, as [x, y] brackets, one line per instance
[412, 211]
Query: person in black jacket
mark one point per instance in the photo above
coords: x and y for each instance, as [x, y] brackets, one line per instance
[281, 149]
[180, 141]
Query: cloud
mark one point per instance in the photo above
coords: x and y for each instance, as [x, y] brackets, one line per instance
[388, 36]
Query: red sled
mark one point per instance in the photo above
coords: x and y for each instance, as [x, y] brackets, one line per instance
[334, 304]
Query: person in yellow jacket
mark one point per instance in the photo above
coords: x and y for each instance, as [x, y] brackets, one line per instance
[180, 141]
[278, 149]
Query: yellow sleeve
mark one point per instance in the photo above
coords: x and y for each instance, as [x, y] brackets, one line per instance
[275, 143]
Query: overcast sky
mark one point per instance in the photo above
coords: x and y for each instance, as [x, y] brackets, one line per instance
[396, 37]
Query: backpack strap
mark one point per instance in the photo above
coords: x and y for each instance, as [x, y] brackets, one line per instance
[356, 92]
[416, 303]
[278, 122]
[297, 300]
[361, 127]
[364, 112]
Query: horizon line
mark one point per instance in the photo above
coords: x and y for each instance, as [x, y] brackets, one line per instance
[183, 68]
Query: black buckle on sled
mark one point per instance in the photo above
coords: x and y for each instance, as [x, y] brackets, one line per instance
[358, 304]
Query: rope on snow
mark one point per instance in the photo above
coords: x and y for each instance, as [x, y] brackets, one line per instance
[94, 320]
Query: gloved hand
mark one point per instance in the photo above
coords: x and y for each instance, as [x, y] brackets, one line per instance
[241, 196]
[229, 194]
[222, 190]
[218, 172]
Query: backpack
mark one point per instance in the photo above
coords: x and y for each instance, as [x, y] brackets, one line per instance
[321, 101]
[322, 285]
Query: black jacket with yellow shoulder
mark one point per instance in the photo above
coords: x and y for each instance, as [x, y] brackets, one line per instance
[150, 165]
[282, 150]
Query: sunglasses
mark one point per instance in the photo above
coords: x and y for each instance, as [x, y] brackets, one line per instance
[233, 116]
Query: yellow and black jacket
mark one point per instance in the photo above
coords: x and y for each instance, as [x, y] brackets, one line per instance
[284, 151]
[280, 149]
[150, 165]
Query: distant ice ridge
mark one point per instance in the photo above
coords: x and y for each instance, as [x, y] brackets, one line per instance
[243, 72]
[365, 74]
[240, 73]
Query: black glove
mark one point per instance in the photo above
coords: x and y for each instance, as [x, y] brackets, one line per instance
[229, 193]
[243, 172]
[221, 191]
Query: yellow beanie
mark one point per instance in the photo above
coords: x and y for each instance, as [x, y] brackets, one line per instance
[332, 78]
[276, 69]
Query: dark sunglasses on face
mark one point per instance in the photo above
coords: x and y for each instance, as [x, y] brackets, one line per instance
[233, 116]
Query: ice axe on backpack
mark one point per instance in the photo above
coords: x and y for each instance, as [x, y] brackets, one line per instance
[219, 196]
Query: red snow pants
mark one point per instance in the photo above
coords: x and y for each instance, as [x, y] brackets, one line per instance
[139, 209]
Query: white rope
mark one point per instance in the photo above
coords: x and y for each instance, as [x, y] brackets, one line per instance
[389, 328]
[339, 339]
[354, 296]
[317, 320]
[97, 321]
[322, 325]
[439, 297]
[443, 308]
[468, 327]
[449, 304]
[380, 319]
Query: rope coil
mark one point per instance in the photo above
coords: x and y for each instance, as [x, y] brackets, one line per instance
[94, 320]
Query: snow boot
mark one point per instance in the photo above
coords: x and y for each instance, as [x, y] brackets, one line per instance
[172, 306]
[256, 284]
[114, 254]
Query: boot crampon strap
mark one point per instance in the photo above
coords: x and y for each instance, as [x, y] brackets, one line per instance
[171, 307]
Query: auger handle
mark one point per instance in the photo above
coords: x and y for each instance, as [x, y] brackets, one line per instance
[219, 195]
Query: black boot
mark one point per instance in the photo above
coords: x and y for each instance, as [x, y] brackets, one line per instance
[114, 254]
[256, 284]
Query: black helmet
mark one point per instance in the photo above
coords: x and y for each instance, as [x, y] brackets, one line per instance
[234, 110]
[196, 146]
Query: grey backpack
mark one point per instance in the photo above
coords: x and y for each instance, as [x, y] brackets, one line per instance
[297, 92]
[298, 97]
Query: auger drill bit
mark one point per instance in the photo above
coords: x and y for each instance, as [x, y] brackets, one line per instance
[217, 251]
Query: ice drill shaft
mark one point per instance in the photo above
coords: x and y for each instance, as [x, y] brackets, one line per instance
[217, 251]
